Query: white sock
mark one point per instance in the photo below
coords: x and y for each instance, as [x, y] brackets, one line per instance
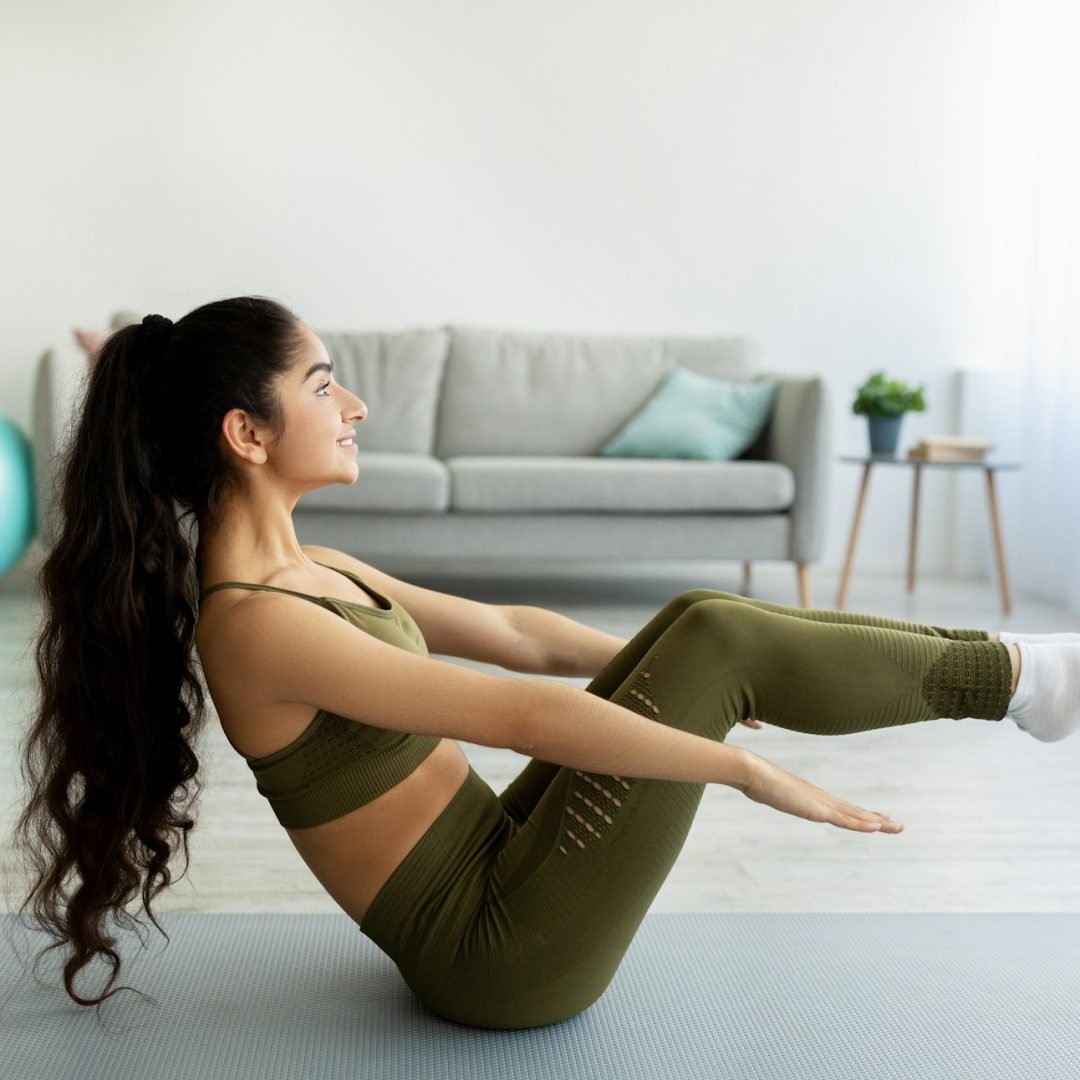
[1008, 638]
[1047, 700]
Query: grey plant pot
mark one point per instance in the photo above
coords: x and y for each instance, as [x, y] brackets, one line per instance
[884, 433]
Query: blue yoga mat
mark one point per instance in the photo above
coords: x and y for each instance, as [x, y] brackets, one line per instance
[770, 996]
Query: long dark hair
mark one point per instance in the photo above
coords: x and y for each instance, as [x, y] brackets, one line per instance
[109, 758]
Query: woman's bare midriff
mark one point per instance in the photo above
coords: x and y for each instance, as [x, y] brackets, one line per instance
[354, 855]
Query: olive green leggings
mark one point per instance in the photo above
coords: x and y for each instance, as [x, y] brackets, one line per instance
[515, 911]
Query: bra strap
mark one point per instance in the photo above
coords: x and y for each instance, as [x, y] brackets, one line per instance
[274, 588]
[252, 585]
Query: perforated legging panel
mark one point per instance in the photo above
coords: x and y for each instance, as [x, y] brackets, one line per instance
[596, 799]
[508, 915]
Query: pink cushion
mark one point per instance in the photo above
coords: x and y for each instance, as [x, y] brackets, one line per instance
[91, 341]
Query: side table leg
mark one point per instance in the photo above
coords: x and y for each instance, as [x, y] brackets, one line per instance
[802, 573]
[914, 530]
[999, 547]
[854, 535]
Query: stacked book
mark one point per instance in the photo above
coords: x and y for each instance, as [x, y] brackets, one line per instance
[950, 448]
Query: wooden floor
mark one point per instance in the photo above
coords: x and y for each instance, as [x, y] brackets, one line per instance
[992, 815]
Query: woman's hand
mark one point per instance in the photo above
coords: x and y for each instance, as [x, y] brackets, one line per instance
[776, 787]
[752, 723]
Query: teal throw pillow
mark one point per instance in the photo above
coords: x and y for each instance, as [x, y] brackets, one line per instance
[695, 416]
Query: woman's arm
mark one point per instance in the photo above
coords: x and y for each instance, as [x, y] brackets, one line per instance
[572, 727]
[568, 726]
[562, 646]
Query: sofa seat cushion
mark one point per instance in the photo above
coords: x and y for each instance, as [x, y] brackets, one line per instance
[493, 484]
[387, 481]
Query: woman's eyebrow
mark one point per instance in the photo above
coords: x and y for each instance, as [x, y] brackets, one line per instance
[320, 366]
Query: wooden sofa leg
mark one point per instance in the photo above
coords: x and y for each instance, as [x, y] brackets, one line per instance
[746, 576]
[802, 571]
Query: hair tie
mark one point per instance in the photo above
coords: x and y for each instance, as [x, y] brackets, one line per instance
[156, 330]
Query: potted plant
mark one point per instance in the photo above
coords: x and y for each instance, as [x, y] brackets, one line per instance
[883, 402]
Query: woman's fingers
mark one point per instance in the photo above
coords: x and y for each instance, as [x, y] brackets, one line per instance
[851, 808]
[853, 821]
[868, 821]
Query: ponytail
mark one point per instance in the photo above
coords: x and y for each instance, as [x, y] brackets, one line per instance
[109, 759]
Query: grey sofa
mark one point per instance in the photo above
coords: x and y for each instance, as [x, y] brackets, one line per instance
[482, 445]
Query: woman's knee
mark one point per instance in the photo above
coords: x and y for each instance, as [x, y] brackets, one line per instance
[717, 615]
[689, 597]
[713, 604]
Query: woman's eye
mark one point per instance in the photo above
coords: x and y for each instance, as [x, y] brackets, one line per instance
[322, 388]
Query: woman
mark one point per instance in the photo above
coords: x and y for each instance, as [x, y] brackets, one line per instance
[500, 911]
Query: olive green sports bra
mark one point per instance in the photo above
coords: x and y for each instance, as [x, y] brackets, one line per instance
[336, 764]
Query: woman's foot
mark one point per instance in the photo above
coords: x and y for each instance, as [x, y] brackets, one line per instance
[1046, 692]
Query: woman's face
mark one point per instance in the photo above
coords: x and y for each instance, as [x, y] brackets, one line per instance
[318, 413]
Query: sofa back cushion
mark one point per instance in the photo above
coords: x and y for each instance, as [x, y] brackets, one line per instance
[398, 375]
[515, 392]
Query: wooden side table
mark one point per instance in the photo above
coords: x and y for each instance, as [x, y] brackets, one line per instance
[869, 460]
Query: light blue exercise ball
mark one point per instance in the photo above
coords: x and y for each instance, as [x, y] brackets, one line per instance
[18, 510]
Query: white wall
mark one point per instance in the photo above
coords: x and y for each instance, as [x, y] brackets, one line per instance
[809, 172]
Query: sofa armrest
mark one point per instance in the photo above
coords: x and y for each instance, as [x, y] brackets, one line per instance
[799, 436]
